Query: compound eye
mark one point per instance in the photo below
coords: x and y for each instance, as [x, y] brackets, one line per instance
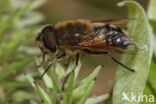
[49, 38]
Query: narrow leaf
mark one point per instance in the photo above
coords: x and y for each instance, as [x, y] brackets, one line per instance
[14, 15]
[68, 92]
[36, 4]
[14, 43]
[7, 23]
[44, 96]
[55, 82]
[86, 94]
[16, 84]
[31, 18]
[3, 4]
[30, 79]
[71, 66]
[47, 80]
[20, 96]
[12, 68]
[97, 100]
[60, 71]
[78, 92]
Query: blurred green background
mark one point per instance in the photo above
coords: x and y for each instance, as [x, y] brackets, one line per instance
[21, 21]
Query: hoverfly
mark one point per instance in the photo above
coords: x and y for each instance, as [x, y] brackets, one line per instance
[76, 37]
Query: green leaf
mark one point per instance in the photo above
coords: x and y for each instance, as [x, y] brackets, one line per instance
[97, 100]
[152, 9]
[16, 84]
[126, 81]
[30, 19]
[68, 92]
[150, 94]
[152, 73]
[20, 96]
[152, 17]
[47, 80]
[60, 70]
[14, 15]
[7, 23]
[55, 82]
[86, 94]
[78, 92]
[78, 69]
[14, 43]
[71, 66]
[12, 68]
[3, 4]
[30, 79]
[36, 4]
[44, 96]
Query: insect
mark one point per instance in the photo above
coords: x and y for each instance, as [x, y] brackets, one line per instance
[76, 37]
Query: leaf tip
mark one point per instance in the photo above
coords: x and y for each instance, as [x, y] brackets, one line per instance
[121, 4]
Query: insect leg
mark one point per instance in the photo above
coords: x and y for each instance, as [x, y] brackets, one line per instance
[77, 59]
[43, 59]
[94, 52]
[55, 59]
[43, 56]
[115, 60]
[76, 64]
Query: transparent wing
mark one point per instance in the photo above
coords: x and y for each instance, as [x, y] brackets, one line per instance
[114, 21]
[136, 48]
[122, 23]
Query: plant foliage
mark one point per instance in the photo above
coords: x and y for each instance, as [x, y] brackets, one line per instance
[127, 82]
[18, 24]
